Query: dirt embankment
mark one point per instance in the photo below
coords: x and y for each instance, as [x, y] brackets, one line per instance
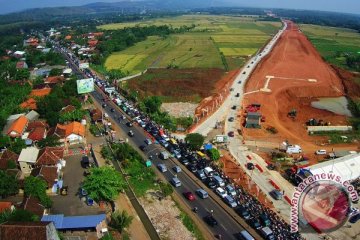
[291, 77]
[352, 89]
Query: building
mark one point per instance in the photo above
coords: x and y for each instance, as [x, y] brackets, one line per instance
[40, 92]
[32, 115]
[18, 127]
[6, 206]
[27, 159]
[96, 115]
[6, 157]
[28, 230]
[33, 205]
[67, 109]
[80, 223]
[21, 64]
[29, 104]
[253, 120]
[72, 133]
[48, 173]
[50, 156]
[347, 167]
[54, 80]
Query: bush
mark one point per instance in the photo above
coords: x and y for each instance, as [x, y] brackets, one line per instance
[166, 189]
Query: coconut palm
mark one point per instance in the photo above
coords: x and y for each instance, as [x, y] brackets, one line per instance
[120, 220]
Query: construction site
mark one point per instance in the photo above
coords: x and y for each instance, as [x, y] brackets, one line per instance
[285, 84]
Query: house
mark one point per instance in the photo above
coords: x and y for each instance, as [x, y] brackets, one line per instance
[67, 109]
[67, 72]
[37, 134]
[6, 157]
[93, 43]
[80, 223]
[29, 104]
[18, 127]
[50, 156]
[54, 79]
[41, 72]
[253, 120]
[28, 230]
[68, 37]
[27, 159]
[72, 133]
[6, 206]
[96, 115]
[32, 204]
[32, 115]
[19, 54]
[21, 64]
[48, 173]
[40, 92]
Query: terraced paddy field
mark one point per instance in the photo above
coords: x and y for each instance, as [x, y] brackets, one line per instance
[332, 43]
[221, 42]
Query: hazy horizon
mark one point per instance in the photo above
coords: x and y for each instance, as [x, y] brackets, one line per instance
[345, 6]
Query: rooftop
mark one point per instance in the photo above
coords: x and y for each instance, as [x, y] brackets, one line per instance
[30, 104]
[23, 230]
[74, 222]
[40, 92]
[29, 155]
[18, 127]
[50, 156]
[7, 156]
[48, 173]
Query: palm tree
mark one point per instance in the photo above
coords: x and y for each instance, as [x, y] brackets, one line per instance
[120, 220]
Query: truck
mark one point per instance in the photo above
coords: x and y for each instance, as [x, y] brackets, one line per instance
[291, 149]
[164, 155]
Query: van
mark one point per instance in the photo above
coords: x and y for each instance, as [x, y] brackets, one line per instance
[230, 201]
[209, 171]
[267, 233]
[219, 181]
[202, 193]
[175, 182]
[245, 235]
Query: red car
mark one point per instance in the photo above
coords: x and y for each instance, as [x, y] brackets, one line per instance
[189, 196]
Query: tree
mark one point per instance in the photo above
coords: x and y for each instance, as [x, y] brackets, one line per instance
[17, 145]
[120, 220]
[214, 154]
[194, 140]
[37, 187]
[75, 115]
[18, 215]
[103, 183]
[22, 74]
[55, 72]
[152, 104]
[51, 141]
[8, 184]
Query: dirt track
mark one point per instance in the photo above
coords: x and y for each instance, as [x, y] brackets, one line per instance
[300, 76]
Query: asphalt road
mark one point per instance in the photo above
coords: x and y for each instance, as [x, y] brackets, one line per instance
[228, 227]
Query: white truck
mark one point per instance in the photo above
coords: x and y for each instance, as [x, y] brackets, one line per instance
[164, 155]
[291, 149]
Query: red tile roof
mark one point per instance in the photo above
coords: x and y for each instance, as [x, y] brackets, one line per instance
[50, 156]
[5, 206]
[35, 124]
[32, 204]
[96, 115]
[29, 104]
[18, 127]
[37, 134]
[68, 108]
[6, 157]
[54, 79]
[24, 230]
[63, 131]
[40, 92]
[48, 173]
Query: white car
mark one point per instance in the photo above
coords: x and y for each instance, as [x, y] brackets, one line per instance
[221, 192]
[320, 152]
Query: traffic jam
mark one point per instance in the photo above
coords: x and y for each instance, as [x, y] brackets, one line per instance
[265, 221]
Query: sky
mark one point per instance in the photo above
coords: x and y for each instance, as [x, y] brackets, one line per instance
[348, 6]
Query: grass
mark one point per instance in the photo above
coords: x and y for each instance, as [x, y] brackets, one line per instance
[332, 42]
[336, 137]
[199, 48]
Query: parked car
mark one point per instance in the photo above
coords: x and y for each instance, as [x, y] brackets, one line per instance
[148, 141]
[320, 152]
[231, 134]
[89, 201]
[254, 223]
[233, 107]
[131, 133]
[192, 168]
[230, 201]
[221, 192]
[231, 190]
[243, 212]
[200, 173]
[276, 194]
[112, 110]
[189, 196]
[354, 218]
[264, 219]
[83, 192]
[202, 193]
[210, 220]
[250, 166]
[231, 119]
[211, 184]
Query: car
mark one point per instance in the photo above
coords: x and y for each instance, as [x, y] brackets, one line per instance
[192, 168]
[175, 182]
[250, 166]
[233, 107]
[231, 134]
[104, 105]
[202, 193]
[353, 211]
[230, 201]
[148, 141]
[231, 119]
[189, 196]
[177, 154]
[264, 219]
[231, 89]
[89, 201]
[239, 82]
[231, 190]
[243, 212]
[184, 161]
[176, 169]
[129, 124]
[112, 110]
[162, 167]
[237, 95]
[221, 192]
[142, 147]
[276, 194]
[210, 220]
[164, 143]
[200, 174]
[254, 223]
[354, 218]
[245, 71]
[320, 152]
[131, 133]
[211, 184]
